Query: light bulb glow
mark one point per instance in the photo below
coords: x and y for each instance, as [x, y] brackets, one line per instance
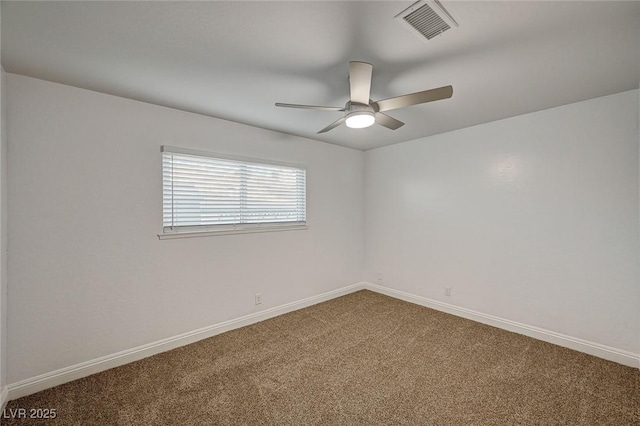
[360, 119]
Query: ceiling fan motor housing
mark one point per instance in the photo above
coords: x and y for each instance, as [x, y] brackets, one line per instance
[357, 107]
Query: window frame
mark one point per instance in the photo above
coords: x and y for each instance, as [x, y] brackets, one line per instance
[227, 229]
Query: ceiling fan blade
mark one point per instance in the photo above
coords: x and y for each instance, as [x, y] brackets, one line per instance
[360, 81]
[415, 98]
[333, 125]
[324, 108]
[388, 122]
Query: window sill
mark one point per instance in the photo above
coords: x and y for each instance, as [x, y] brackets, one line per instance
[193, 234]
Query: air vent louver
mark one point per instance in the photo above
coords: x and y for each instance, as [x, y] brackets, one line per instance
[427, 18]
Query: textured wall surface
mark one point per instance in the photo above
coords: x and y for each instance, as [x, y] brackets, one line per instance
[89, 276]
[532, 219]
[3, 230]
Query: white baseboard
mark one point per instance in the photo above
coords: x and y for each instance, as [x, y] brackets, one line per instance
[4, 398]
[612, 354]
[74, 372]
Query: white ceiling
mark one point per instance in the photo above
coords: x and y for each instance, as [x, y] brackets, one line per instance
[235, 59]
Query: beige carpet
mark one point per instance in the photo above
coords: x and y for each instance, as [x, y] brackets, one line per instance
[362, 359]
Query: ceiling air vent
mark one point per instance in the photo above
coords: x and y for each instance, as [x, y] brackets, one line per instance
[427, 18]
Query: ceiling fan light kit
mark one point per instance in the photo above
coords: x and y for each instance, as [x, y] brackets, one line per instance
[361, 112]
[360, 120]
[360, 116]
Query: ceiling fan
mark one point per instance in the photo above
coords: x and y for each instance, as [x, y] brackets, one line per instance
[361, 112]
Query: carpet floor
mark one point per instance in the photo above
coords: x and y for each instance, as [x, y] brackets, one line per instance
[361, 359]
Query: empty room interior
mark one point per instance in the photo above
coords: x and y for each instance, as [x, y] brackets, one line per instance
[320, 212]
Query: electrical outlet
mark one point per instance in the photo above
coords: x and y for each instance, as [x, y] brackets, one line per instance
[258, 298]
[447, 291]
[380, 277]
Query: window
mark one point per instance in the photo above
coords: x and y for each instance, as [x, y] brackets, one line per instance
[205, 193]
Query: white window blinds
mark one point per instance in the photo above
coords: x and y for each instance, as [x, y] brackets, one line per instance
[202, 191]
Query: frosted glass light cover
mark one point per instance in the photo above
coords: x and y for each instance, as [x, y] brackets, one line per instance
[360, 120]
